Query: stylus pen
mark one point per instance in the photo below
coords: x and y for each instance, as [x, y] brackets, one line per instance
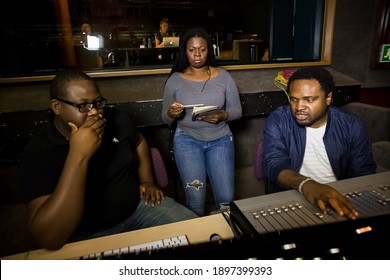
[191, 105]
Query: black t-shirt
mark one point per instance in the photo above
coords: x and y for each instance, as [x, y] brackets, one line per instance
[112, 191]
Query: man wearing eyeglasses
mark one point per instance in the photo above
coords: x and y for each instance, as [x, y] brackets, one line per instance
[88, 172]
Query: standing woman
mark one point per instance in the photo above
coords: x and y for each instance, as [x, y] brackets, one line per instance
[203, 147]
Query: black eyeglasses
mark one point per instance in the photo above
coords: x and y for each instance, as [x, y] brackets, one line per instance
[86, 107]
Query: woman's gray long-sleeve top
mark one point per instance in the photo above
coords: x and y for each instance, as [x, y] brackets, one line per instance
[220, 90]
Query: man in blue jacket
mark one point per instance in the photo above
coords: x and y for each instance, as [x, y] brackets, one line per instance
[310, 143]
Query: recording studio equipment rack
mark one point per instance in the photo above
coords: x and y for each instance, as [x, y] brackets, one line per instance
[288, 210]
[285, 226]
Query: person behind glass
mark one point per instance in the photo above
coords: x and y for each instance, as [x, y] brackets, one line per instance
[203, 147]
[310, 143]
[88, 172]
[163, 32]
[86, 31]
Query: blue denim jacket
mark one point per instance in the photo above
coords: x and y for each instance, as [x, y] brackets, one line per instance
[346, 140]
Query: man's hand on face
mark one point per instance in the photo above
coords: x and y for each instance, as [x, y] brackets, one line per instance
[87, 138]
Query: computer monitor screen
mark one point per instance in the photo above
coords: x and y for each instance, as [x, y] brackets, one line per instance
[94, 42]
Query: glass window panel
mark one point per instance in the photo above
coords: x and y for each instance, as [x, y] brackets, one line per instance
[43, 36]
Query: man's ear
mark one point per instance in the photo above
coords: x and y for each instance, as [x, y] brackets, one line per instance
[55, 106]
[329, 98]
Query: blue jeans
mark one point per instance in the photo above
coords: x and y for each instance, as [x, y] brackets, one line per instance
[196, 160]
[169, 211]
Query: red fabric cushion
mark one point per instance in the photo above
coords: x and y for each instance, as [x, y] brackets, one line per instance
[259, 173]
[159, 170]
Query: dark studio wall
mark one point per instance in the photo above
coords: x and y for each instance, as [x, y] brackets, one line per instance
[355, 29]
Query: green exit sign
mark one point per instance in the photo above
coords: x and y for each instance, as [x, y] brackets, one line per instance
[385, 54]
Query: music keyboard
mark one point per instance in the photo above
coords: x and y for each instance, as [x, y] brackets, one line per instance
[172, 242]
[197, 231]
[290, 210]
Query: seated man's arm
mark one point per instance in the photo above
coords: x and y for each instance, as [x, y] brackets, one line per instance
[52, 219]
[148, 190]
